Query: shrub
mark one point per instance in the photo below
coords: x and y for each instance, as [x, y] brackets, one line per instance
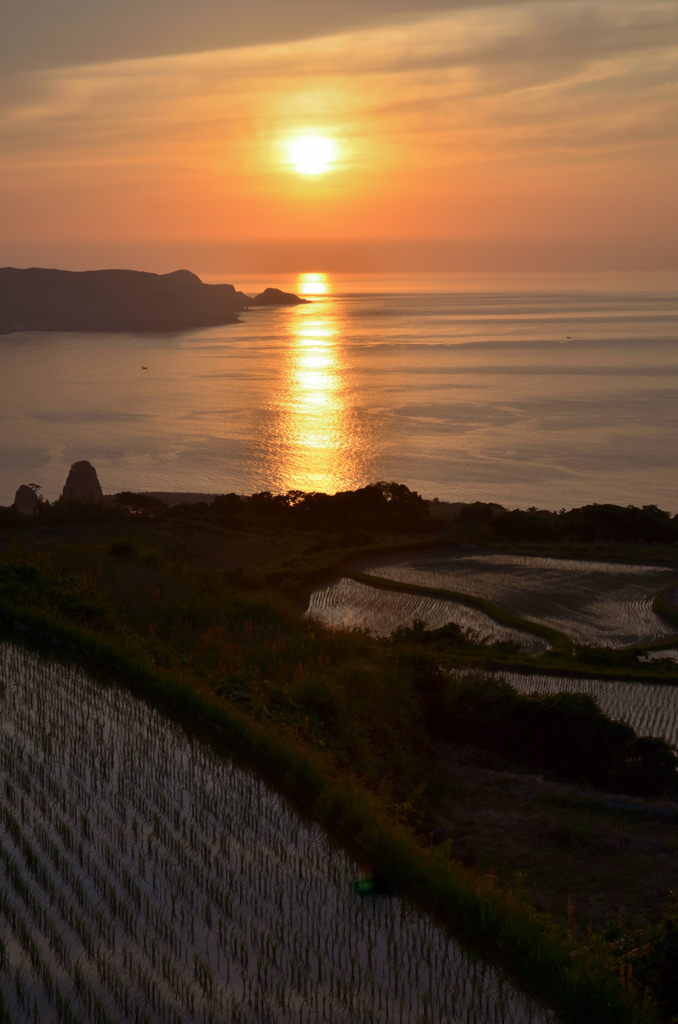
[649, 958]
[123, 549]
[609, 657]
[140, 506]
[563, 733]
[451, 633]
[649, 766]
[318, 699]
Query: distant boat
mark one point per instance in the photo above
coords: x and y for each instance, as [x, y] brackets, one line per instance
[144, 367]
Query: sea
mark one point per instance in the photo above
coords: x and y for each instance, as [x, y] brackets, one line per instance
[548, 390]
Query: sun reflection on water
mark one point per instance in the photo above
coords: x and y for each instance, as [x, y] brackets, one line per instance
[320, 441]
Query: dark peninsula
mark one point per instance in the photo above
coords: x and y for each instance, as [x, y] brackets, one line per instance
[121, 300]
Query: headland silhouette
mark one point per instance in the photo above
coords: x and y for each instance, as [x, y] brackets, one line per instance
[37, 299]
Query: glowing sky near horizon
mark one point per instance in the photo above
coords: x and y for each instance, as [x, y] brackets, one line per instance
[507, 121]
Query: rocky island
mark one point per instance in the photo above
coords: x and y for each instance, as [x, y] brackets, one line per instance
[121, 300]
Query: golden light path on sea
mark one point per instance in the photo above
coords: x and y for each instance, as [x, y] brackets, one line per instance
[316, 426]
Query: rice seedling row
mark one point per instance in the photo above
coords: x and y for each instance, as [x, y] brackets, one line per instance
[146, 879]
[347, 604]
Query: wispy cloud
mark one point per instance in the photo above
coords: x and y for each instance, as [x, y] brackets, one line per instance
[516, 104]
[43, 34]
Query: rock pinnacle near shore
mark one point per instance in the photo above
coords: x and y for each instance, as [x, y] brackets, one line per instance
[82, 483]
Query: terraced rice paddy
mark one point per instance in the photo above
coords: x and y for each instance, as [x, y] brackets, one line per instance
[347, 604]
[651, 708]
[144, 878]
[597, 603]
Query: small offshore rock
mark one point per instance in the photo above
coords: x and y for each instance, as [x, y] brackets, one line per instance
[276, 297]
[26, 500]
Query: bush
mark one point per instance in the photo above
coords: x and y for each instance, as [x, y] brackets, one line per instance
[649, 766]
[649, 958]
[123, 549]
[565, 733]
[608, 657]
[317, 698]
[23, 584]
[450, 633]
[140, 506]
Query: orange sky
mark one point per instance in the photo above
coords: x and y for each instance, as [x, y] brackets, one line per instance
[546, 130]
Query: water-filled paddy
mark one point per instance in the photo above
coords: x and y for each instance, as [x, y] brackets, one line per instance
[145, 878]
[598, 603]
[347, 604]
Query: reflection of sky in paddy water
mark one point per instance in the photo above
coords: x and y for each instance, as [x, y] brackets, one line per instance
[348, 604]
[601, 603]
[233, 885]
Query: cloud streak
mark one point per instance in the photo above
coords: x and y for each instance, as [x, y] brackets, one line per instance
[532, 118]
[40, 34]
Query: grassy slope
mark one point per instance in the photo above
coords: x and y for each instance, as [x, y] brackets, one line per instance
[329, 718]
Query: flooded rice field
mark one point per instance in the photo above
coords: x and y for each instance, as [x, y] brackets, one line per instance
[598, 603]
[651, 708]
[347, 604]
[144, 878]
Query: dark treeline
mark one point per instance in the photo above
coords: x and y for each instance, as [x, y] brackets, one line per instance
[379, 508]
[388, 507]
[617, 524]
[394, 508]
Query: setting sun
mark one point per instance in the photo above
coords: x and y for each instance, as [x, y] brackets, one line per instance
[312, 284]
[312, 154]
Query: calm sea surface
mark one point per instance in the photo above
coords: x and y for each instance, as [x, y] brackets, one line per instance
[548, 390]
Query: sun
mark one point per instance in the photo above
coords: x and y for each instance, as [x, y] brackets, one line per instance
[312, 154]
